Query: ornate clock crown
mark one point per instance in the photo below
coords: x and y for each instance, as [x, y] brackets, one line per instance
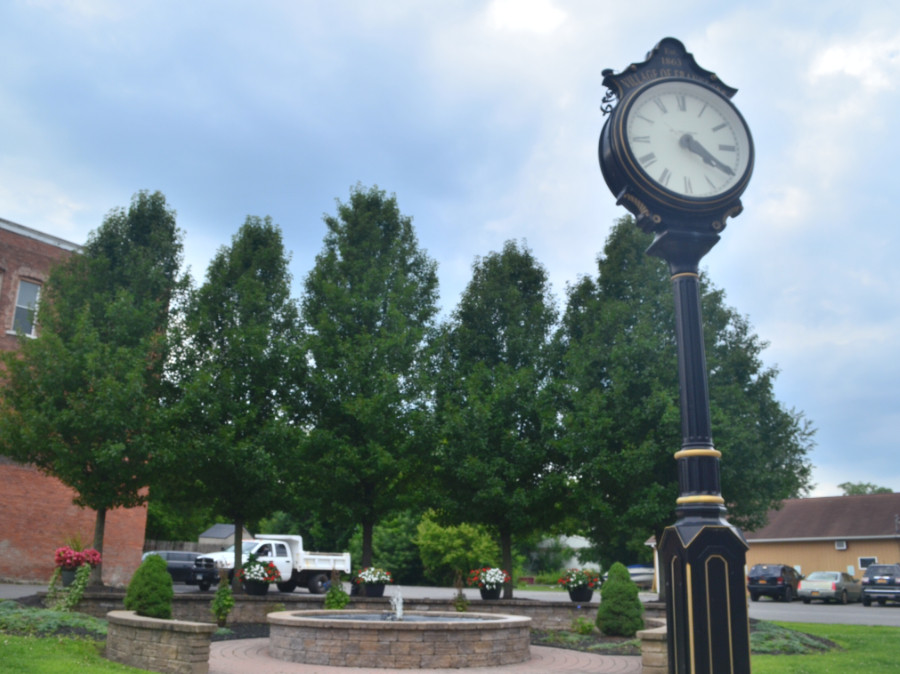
[667, 59]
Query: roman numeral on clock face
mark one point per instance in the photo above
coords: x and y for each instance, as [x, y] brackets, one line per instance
[648, 159]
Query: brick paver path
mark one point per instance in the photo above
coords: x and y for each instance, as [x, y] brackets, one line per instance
[245, 656]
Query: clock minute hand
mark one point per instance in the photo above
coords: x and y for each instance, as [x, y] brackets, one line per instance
[687, 141]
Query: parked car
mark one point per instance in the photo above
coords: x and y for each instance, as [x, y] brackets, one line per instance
[881, 582]
[181, 567]
[642, 575]
[778, 581]
[830, 586]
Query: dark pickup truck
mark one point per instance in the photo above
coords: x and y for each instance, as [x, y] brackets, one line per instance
[881, 583]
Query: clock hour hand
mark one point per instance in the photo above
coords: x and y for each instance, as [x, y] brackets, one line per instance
[687, 141]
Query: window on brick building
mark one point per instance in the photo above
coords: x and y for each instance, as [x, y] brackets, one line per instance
[26, 306]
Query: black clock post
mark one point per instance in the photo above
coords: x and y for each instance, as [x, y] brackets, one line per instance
[678, 155]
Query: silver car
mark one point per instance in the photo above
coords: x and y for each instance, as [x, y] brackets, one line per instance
[830, 586]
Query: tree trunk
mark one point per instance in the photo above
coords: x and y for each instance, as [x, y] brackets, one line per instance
[661, 589]
[96, 579]
[238, 554]
[367, 529]
[506, 555]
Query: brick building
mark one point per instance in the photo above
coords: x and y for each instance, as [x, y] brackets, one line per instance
[36, 511]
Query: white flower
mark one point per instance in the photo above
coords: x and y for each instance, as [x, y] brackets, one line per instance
[373, 574]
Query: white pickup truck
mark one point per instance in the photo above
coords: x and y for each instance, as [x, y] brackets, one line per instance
[296, 565]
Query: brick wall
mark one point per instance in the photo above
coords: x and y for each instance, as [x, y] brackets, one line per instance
[36, 511]
[37, 516]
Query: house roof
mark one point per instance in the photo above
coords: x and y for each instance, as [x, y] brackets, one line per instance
[832, 517]
[222, 531]
[22, 230]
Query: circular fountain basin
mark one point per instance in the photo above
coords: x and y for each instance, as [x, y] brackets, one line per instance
[422, 640]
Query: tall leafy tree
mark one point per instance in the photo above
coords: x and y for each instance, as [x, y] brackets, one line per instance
[81, 402]
[369, 301]
[241, 377]
[497, 459]
[621, 412]
[857, 488]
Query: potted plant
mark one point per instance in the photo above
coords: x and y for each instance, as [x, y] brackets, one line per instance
[372, 580]
[580, 584]
[69, 560]
[256, 576]
[489, 580]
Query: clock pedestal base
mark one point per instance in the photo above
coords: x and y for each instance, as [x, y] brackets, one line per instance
[706, 601]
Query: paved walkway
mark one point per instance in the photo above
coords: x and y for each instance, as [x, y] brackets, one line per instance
[243, 656]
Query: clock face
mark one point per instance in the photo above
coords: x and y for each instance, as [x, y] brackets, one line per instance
[686, 138]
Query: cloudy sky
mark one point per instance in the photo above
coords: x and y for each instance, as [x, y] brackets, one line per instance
[483, 118]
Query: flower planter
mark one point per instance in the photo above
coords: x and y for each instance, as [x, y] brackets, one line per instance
[581, 594]
[490, 592]
[372, 589]
[67, 576]
[257, 588]
[488, 580]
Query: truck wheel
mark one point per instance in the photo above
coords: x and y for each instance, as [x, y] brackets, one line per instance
[867, 601]
[204, 586]
[288, 586]
[317, 583]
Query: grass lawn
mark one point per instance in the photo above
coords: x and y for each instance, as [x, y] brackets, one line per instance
[865, 649]
[55, 655]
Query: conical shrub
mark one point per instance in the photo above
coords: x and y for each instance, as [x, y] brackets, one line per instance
[620, 606]
[150, 590]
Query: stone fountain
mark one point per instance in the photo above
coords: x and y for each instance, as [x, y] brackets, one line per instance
[398, 639]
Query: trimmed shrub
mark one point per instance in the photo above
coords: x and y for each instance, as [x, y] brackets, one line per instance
[620, 606]
[150, 590]
[222, 603]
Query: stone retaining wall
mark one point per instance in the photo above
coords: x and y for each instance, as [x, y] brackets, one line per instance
[654, 650]
[547, 615]
[171, 646]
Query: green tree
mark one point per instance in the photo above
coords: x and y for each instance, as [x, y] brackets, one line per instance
[621, 413]
[241, 374]
[498, 463]
[369, 301]
[82, 401]
[454, 549]
[857, 488]
[394, 547]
